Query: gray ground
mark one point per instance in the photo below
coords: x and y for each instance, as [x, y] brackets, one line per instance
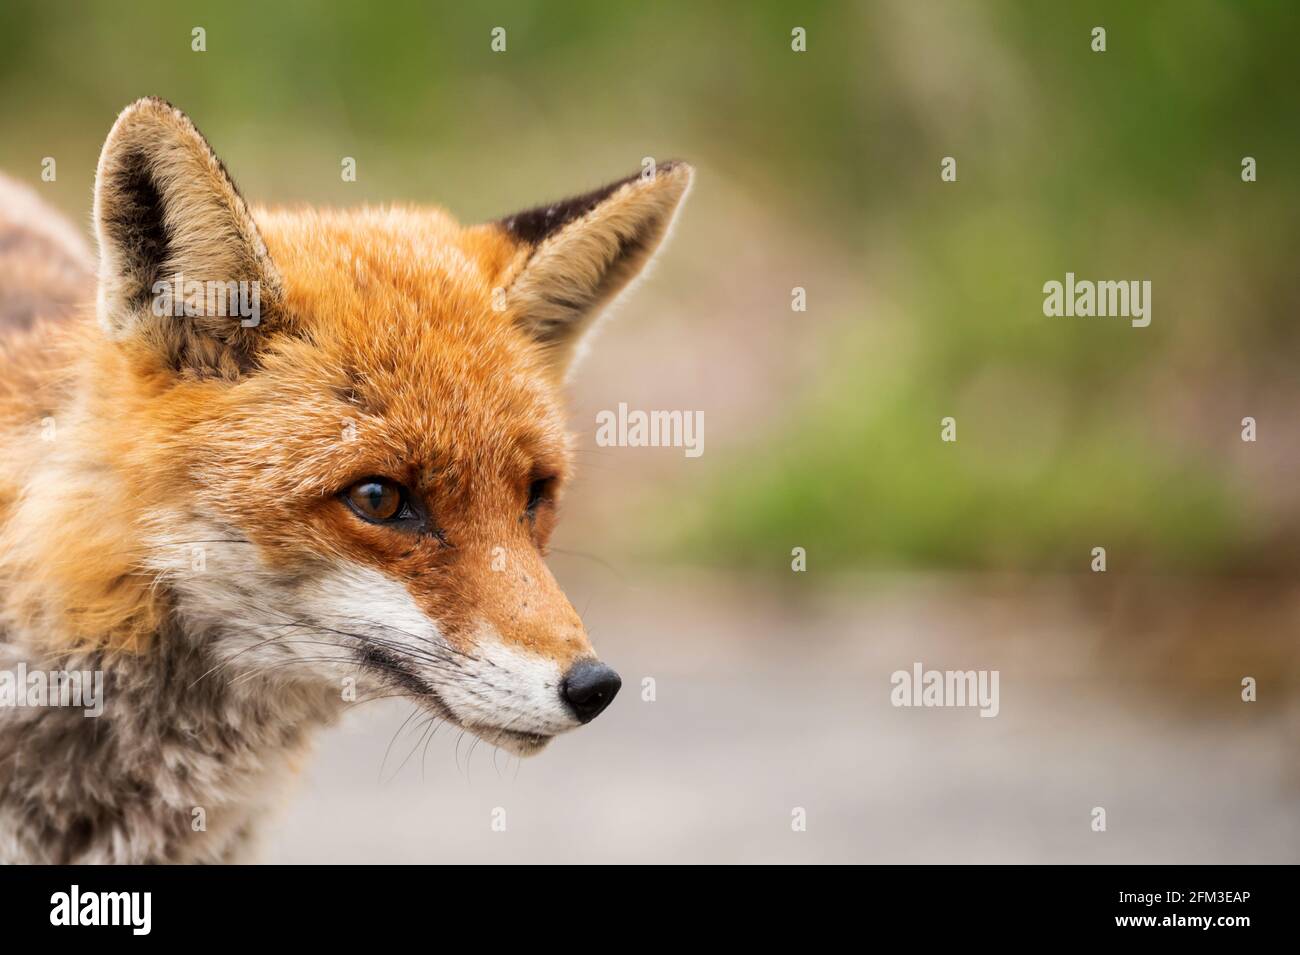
[766, 702]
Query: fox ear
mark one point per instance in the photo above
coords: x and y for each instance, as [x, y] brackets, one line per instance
[167, 215]
[576, 255]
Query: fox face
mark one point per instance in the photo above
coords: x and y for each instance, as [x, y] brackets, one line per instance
[359, 467]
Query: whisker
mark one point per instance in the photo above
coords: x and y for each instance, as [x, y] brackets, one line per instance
[389, 748]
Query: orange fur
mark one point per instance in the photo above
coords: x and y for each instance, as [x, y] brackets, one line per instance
[382, 354]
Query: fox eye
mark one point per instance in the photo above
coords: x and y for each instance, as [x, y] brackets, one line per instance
[378, 500]
[539, 492]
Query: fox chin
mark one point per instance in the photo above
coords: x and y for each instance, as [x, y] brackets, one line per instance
[259, 465]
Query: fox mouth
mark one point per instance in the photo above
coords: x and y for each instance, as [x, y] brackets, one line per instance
[516, 742]
[512, 741]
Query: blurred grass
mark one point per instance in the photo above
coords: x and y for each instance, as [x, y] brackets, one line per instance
[1072, 433]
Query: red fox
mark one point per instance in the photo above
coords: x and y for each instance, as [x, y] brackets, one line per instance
[263, 454]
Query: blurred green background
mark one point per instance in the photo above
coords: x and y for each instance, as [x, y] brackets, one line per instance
[818, 170]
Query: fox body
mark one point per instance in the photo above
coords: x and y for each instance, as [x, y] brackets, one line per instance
[235, 516]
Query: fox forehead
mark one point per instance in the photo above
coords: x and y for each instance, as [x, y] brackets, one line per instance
[399, 354]
[375, 279]
[418, 261]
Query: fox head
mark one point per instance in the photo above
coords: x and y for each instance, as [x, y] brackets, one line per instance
[349, 423]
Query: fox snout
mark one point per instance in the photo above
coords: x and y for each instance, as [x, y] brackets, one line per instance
[524, 611]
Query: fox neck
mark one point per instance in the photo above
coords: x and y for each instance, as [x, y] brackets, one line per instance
[182, 765]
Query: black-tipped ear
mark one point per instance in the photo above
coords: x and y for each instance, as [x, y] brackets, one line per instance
[182, 266]
[580, 253]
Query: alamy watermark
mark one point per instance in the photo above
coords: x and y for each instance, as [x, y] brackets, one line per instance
[130, 909]
[922, 687]
[193, 299]
[71, 688]
[651, 429]
[1085, 298]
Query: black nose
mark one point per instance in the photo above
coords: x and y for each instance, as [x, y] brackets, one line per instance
[588, 688]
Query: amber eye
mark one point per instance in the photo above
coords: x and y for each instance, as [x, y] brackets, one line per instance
[377, 499]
